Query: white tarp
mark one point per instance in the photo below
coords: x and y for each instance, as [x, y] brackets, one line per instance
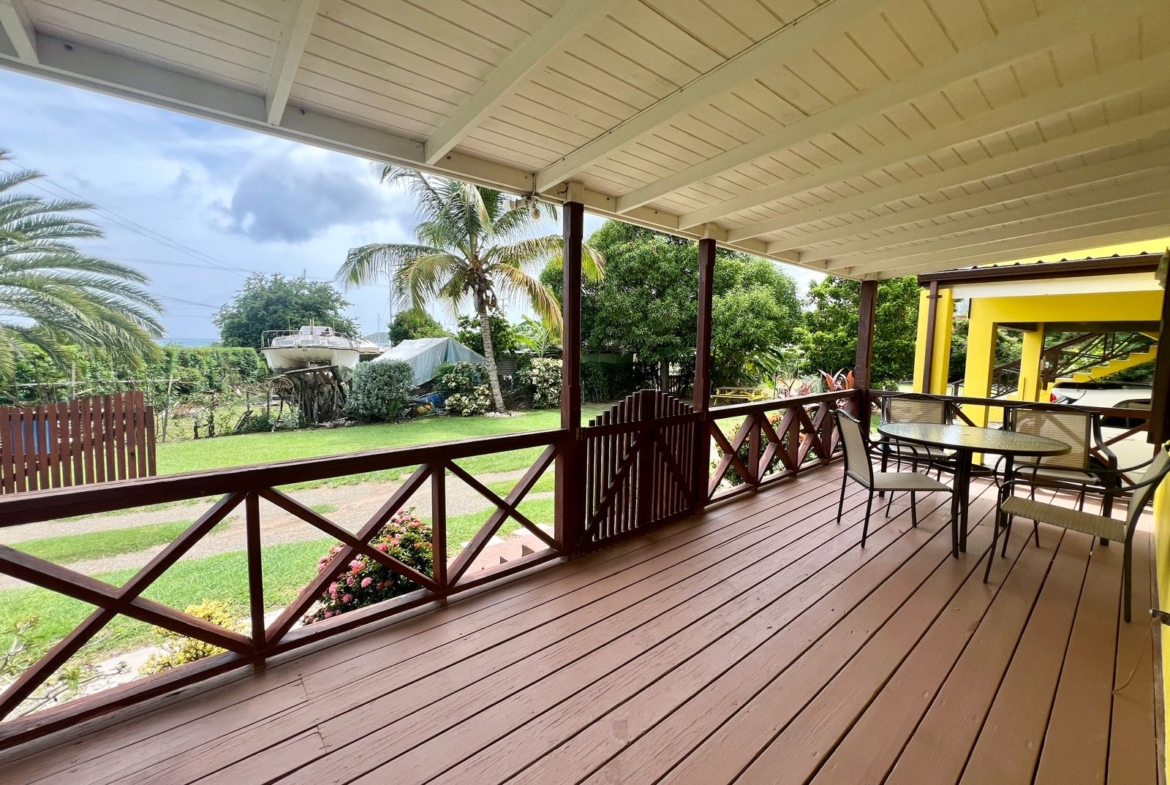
[425, 355]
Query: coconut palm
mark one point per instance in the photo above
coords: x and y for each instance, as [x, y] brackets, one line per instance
[53, 296]
[473, 249]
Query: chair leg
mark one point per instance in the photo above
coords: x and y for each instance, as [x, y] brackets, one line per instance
[1036, 532]
[841, 503]
[889, 501]
[885, 464]
[1127, 579]
[1007, 532]
[913, 511]
[994, 538]
[865, 526]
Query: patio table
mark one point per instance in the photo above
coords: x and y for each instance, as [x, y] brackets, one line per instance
[965, 441]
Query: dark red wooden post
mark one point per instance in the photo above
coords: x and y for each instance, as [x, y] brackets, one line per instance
[1159, 416]
[702, 394]
[862, 371]
[931, 318]
[570, 490]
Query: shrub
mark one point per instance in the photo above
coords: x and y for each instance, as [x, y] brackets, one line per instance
[365, 581]
[465, 389]
[602, 382]
[540, 380]
[380, 390]
[179, 649]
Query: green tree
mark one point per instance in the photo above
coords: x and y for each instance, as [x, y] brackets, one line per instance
[415, 323]
[279, 303]
[53, 296]
[503, 335]
[646, 304]
[473, 249]
[828, 334]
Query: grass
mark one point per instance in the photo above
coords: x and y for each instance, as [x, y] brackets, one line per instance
[223, 452]
[223, 577]
[546, 484]
[98, 545]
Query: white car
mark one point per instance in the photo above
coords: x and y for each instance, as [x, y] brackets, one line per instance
[1105, 395]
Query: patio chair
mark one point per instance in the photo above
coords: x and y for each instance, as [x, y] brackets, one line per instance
[915, 408]
[1088, 464]
[858, 466]
[1103, 526]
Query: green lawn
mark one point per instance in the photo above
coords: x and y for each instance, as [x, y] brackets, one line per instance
[97, 545]
[223, 577]
[226, 451]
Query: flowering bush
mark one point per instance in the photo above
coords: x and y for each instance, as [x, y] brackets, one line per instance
[732, 477]
[466, 389]
[365, 581]
[540, 379]
[179, 649]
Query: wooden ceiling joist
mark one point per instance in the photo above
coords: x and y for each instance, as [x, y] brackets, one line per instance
[982, 198]
[1130, 78]
[814, 28]
[294, 35]
[570, 22]
[1057, 242]
[1117, 133]
[1016, 240]
[1037, 35]
[16, 24]
[844, 255]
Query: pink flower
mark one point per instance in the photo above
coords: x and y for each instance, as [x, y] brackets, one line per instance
[346, 599]
[366, 581]
[328, 614]
[355, 566]
[383, 547]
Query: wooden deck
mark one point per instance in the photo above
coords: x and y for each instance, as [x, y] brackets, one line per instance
[757, 643]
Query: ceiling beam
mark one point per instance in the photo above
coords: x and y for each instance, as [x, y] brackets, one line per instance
[1061, 243]
[1057, 181]
[1002, 50]
[294, 35]
[569, 23]
[805, 33]
[1010, 234]
[842, 255]
[1129, 78]
[17, 25]
[1116, 133]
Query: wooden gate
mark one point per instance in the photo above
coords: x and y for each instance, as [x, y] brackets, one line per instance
[76, 443]
[640, 467]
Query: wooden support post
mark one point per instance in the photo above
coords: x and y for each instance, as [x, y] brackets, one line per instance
[702, 392]
[1159, 432]
[255, 576]
[439, 529]
[862, 371]
[931, 318]
[570, 488]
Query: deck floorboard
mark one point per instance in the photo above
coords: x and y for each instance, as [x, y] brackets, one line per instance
[756, 643]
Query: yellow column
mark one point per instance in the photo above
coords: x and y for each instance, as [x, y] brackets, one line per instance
[1030, 360]
[980, 358]
[943, 329]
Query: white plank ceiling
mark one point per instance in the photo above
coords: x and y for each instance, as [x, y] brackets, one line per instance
[871, 138]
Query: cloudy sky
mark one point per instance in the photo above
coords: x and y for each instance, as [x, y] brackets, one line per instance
[198, 205]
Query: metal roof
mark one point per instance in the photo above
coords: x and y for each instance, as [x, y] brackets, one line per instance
[869, 138]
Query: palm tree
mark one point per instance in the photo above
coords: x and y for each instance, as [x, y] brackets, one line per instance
[53, 296]
[472, 249]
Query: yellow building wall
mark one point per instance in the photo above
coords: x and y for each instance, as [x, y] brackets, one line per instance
[943, 332]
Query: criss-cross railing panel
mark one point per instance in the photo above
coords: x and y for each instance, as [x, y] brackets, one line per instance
[249, 487]
[774, 440]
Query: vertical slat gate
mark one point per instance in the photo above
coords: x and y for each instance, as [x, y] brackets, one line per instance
[79, 442]
[639, 468]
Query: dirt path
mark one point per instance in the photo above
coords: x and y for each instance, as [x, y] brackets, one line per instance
[349, 506]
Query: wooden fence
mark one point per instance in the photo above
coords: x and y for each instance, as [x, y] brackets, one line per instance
[81, 442]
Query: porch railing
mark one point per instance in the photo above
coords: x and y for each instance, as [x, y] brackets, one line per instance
[649, 460]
